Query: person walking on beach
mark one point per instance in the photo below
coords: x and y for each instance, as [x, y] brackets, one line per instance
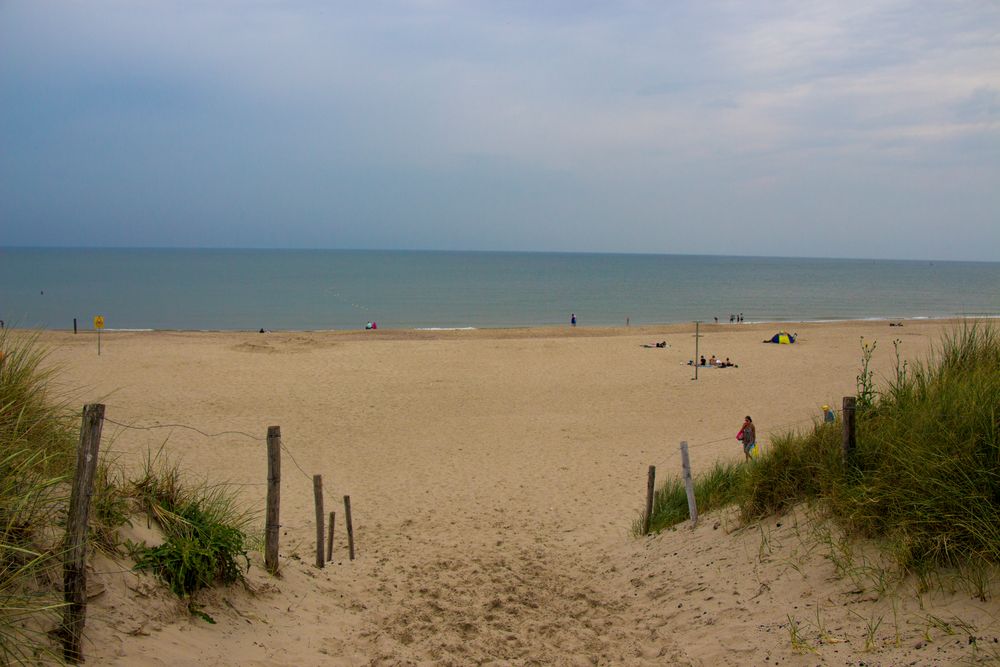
[748, 436]
[572, 319]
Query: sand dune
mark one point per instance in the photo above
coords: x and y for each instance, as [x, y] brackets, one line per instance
[494, 476]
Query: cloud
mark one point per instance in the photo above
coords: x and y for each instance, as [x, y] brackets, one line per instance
[577, 126]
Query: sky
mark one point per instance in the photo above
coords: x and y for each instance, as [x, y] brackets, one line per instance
[819, 129]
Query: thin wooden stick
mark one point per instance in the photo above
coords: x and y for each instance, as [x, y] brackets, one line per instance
[318, 497]
[850, 437]
[689, 484]
[329, 537]
[74, 567]
[647, 517]
[271, 524]
[350, 525]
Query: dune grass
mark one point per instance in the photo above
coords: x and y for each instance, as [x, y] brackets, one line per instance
[206, 530]
[712, 490]
[37, 443]
[924, 480]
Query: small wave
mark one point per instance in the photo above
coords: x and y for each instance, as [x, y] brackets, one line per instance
[444, 328]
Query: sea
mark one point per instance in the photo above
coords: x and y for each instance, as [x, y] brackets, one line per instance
[218, 289]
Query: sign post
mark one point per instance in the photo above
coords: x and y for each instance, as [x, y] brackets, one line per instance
[98, 324]
[697, 335]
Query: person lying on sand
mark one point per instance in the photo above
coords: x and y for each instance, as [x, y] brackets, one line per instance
[661, 344]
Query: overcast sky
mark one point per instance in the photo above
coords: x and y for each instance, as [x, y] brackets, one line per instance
[838, 129]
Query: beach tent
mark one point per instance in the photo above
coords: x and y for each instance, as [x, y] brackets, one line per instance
[782, 338]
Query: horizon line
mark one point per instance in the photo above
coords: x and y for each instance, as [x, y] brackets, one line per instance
[494, 252]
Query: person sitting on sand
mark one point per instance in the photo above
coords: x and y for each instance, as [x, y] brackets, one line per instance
[727, 364]
[711, 360]
[701, 362]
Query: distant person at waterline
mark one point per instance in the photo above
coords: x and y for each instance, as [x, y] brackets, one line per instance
[572, 320]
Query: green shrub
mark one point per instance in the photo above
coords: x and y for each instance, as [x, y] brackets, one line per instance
[198, 552]
[206, 540]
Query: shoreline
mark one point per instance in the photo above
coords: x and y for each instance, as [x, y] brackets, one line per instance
[542, 327]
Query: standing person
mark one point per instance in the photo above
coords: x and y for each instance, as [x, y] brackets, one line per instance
[572, 319]
[748, 436]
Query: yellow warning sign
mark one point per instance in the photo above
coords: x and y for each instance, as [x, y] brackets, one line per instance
[98, 321]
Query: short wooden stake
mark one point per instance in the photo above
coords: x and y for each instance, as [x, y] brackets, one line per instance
[271, 524]
[689, 484]
[74, 325]
[318, 497]
[350, 525]
[74, 567]
[850, 438]
[329, 537]
[647, 516]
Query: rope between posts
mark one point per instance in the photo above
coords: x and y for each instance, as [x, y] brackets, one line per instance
[284, 447]
[779, 427]
[132, 427]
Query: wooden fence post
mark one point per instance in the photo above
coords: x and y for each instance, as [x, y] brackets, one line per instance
[647, 516]
[318, 496]
[350, 525]
[271, 524]
[329, 537]
[74, 567]
[689, 484]
[850, 433]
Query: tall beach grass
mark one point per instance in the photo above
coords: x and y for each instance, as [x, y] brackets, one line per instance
[37, 439]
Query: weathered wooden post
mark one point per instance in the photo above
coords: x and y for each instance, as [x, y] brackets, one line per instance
[271, 524]
[329, 537]
[850, 438]
[74, 567]
[318, 497]
[74, 326]
[350, 525]
[689, 484]
[650, 492]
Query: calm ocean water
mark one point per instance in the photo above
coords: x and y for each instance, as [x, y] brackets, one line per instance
[342, 289]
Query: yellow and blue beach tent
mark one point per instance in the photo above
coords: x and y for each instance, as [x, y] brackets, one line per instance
[782, 338]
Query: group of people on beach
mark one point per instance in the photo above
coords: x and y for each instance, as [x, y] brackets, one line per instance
[715, 361]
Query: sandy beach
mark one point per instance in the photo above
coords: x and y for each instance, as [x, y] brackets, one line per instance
[494, 476]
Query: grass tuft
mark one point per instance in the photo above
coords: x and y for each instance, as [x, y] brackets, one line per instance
[206, 531]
